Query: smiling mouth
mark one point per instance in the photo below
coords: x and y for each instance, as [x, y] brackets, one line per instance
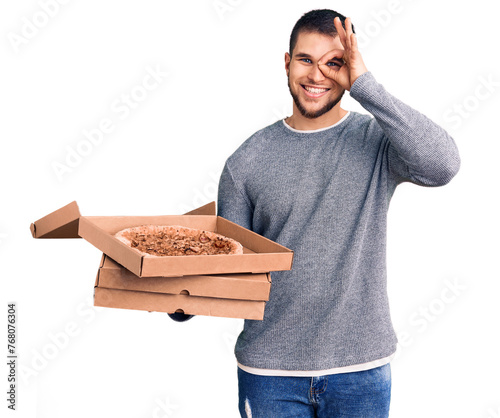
[314, 91]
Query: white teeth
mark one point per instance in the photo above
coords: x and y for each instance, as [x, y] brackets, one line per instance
[314, 90]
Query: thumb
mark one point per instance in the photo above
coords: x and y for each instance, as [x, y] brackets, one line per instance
[338, 75]
[328, 71]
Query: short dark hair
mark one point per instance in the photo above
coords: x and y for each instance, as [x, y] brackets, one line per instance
[318, 21]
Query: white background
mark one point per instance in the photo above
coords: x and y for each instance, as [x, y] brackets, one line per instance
[63, 74]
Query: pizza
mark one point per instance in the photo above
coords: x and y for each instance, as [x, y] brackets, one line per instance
[174, 240]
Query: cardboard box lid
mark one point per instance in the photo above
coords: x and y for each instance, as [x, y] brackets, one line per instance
[63, 222]
[208, 209]
[112, 275]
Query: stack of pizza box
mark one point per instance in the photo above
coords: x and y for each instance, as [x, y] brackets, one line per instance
[234, 286]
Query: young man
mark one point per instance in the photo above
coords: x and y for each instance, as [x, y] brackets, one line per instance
[319, 182]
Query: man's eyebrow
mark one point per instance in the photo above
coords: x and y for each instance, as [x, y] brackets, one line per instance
[302, 55]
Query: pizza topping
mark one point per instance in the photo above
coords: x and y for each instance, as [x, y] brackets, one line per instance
[155, 240]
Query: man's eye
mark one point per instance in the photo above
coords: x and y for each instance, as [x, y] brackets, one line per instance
[332, 63]
[306, 60]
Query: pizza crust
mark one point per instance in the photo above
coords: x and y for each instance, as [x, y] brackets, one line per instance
[174, 240]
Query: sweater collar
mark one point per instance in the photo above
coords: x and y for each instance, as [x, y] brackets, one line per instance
[312, 131]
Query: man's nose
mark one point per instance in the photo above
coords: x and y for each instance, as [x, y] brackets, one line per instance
[315, 74]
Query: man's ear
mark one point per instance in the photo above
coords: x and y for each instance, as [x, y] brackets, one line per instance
[288, 58]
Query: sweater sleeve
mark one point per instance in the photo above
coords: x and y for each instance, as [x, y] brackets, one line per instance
[419, 150]
[232, 202]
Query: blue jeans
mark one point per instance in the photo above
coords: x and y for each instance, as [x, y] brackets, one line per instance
[365, 394]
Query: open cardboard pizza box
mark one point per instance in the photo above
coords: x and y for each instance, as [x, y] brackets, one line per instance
[260, 255]
[229, 295]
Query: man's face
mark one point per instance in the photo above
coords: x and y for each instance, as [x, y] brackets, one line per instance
[313, 93]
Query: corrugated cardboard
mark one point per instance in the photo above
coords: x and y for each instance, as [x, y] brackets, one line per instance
[229, 286]
[116, 287]
[62, 223]
[260, 255]
[190, 305]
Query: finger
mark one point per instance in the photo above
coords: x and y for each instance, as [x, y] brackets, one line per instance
[354, 43]
[340, 31]
[335, 73]
[340, 76]
[334, 54]
[348, 31]
[327, 71]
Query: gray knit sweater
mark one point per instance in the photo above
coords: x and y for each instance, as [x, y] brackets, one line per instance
[325, 195]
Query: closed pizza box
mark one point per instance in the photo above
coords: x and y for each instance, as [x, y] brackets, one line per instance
[246, 286]
[260, 255]
[189, 305]
[121, 291]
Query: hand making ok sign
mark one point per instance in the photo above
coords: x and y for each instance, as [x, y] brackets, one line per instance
[344, 74]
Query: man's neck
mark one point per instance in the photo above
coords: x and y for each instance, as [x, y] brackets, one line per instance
[301, 123]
